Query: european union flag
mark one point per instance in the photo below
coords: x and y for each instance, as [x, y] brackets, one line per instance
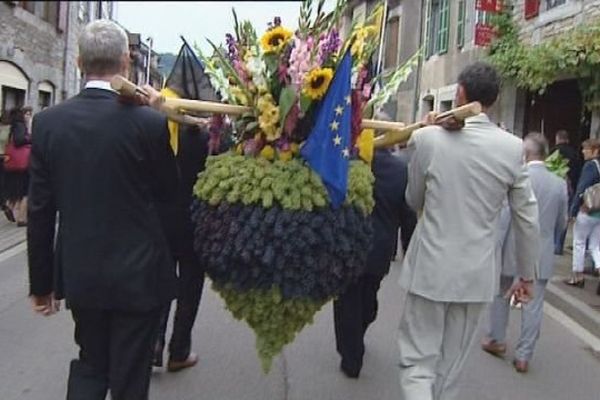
[327, 149]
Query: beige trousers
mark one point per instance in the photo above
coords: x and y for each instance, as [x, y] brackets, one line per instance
[434, 341]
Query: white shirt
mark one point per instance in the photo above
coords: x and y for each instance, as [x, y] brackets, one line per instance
[97, 84]
[536, 162]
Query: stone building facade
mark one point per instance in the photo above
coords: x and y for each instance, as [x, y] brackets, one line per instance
[445, 31]
[561, 106]
[38, 50]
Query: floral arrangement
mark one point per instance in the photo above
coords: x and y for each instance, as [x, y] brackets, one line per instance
[273, 245]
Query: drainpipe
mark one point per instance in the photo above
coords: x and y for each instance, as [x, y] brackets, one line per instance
[64, 92]
[420, 62]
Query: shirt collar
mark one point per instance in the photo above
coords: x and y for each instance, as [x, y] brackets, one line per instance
[97, 84]
[479, 118]
[536, 162]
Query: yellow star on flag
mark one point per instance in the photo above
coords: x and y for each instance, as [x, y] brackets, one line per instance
[346, 153]
[337, 140]
[348, 99]
[339, 110]
[334, 125]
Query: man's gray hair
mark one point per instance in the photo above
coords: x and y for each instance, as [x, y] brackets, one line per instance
[101, 47]
[536, 146]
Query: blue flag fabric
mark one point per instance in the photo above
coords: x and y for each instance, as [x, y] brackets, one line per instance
[327, 149]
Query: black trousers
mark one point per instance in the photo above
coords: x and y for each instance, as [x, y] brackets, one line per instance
[115, 354]
[353, 312]
[191, 281]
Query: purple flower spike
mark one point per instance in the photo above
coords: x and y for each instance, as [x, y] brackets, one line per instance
[232, 52]
[329, 44]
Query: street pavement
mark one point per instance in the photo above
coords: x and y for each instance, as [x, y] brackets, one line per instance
[35, 353]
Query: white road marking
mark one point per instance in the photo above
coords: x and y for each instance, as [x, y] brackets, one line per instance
[13, 251]
[576, 329]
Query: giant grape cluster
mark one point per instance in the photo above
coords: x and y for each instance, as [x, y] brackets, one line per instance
[273, 246]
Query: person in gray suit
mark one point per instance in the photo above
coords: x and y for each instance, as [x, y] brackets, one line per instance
[457, 181]
[552, 196]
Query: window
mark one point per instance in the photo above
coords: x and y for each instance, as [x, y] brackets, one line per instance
[28, 5]
[442, 39]
[460, 25]
[48, 11]
[83, 11]
[428, 29]
[445, 105]
[437, 27]
[483, 17]
[45, 94]
[91, 10]
[11, 98]
[550, 4]
[44, 99]
[392, 35]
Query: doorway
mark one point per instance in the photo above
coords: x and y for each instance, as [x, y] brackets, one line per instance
[560, 107]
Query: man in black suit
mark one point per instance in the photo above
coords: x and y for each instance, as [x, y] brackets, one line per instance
[107, 170]
[356, 308]
[568, 152]
[191, 158]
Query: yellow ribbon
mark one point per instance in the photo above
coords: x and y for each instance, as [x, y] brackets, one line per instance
[173, 126]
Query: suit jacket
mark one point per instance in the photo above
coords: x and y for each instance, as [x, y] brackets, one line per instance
[459, 180]
[390, 213]
[569, 152]
[108, 171]
[552, 197]
[191, 159]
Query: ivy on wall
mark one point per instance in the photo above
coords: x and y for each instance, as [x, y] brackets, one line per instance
[574, 53]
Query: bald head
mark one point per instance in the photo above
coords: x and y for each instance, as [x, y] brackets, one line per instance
[535, 146]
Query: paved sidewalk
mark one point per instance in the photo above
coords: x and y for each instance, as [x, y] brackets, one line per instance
[582, 305]
[10, 234]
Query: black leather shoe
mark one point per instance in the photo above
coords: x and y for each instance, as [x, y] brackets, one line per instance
[350, 372]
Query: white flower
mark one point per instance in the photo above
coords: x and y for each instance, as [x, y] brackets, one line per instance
[257, 68]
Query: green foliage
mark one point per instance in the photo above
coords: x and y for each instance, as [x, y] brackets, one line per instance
[291, 184]
[575, 53]
[274, 320]
[557, 164]
[287, 99]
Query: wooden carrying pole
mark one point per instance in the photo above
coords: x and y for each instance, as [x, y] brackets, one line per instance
[396, 132]
[402, 135]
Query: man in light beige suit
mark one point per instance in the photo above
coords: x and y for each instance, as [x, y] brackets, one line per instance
[458, 180]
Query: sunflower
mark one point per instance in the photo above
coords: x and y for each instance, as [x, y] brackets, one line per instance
[275, 39]
[316, 82]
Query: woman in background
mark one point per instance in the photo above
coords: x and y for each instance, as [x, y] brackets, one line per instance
[16, 182]
[587, 222]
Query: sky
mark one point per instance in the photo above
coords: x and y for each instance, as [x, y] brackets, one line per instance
[197, 20]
